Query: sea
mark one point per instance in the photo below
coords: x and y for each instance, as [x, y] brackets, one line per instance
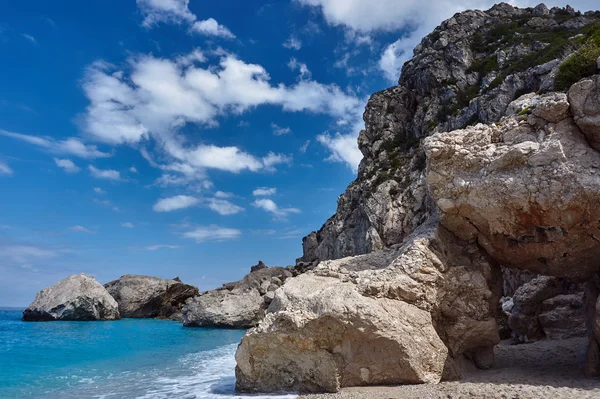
[129, 358]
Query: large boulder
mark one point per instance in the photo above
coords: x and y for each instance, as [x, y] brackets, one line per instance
[526, 189]
[390, 317]
[241, 304]
[150, 297]
[76, 298]
[584, 97]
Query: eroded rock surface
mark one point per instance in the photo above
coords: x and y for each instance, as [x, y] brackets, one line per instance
[549, 307]
[76, 298]
[150, 297]
[391, 317]
[525, 189]
[240, 304]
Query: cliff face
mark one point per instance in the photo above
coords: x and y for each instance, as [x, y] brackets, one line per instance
[467, 71]
[485, 157]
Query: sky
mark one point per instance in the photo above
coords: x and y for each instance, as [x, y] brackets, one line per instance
[185, 137]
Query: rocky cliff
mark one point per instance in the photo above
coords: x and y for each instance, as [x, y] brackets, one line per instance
[467, 71]
[483, 161]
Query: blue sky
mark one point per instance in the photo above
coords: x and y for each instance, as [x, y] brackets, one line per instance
[183, 138]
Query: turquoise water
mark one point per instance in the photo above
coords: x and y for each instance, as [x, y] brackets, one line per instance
[145, 359]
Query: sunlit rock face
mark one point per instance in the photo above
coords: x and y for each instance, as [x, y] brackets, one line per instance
[526, 189]
[76, 298]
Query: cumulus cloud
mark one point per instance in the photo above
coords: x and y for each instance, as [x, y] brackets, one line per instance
[67, 165]
[223, 207]
[177, 12]
[127, 225]
[4, 169]
[222, 194]
[157, 97]
[165, 11]
[301, 67]
[211, 27]
[343, 149]
[71, 146]
[270, 206]
[175, 203]
[264, 191]
[304, 147]
[212, 233]
[293, 43]
[98, 190]
[280, 131]
[80, 229]
[133, 169]
[107, 174]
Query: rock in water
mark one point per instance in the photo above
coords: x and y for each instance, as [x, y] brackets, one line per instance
[240, 304]
[149, 297]
[77, 298]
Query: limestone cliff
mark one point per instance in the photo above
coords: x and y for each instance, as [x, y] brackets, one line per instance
[483, 159]
[467, 71]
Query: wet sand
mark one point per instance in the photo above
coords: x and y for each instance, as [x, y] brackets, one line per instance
[544, 370]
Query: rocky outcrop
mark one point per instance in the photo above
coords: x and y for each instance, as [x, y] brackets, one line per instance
[468, 70]
[525, 189]
[240, 304]
[462, 176]
[523, 192]
[547, 307]
[585, 104]
[150, 297]
[76, 298]
[391, 317]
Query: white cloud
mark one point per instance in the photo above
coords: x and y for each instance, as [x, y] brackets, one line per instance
[175, 203]
[280, 131]
[304, 147]
[80, 229]
[223, 207]
[67, 165]
[127, 225]
[301, 67]
[271, 207]
[165, 11]
[161, 246]
[211, 27]
[264, 191]
[70, 146]
[160, 96]
[107, 174]
[4, 169]
[343, 147]
[177, 12]
[133, 169]
[222, 194]
[212, 233]
[30, 38]
[98, 190]
[293, 43]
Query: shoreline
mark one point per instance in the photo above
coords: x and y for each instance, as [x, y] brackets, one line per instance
[543, 369]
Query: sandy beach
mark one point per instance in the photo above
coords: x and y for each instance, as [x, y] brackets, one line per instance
[545, 369]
